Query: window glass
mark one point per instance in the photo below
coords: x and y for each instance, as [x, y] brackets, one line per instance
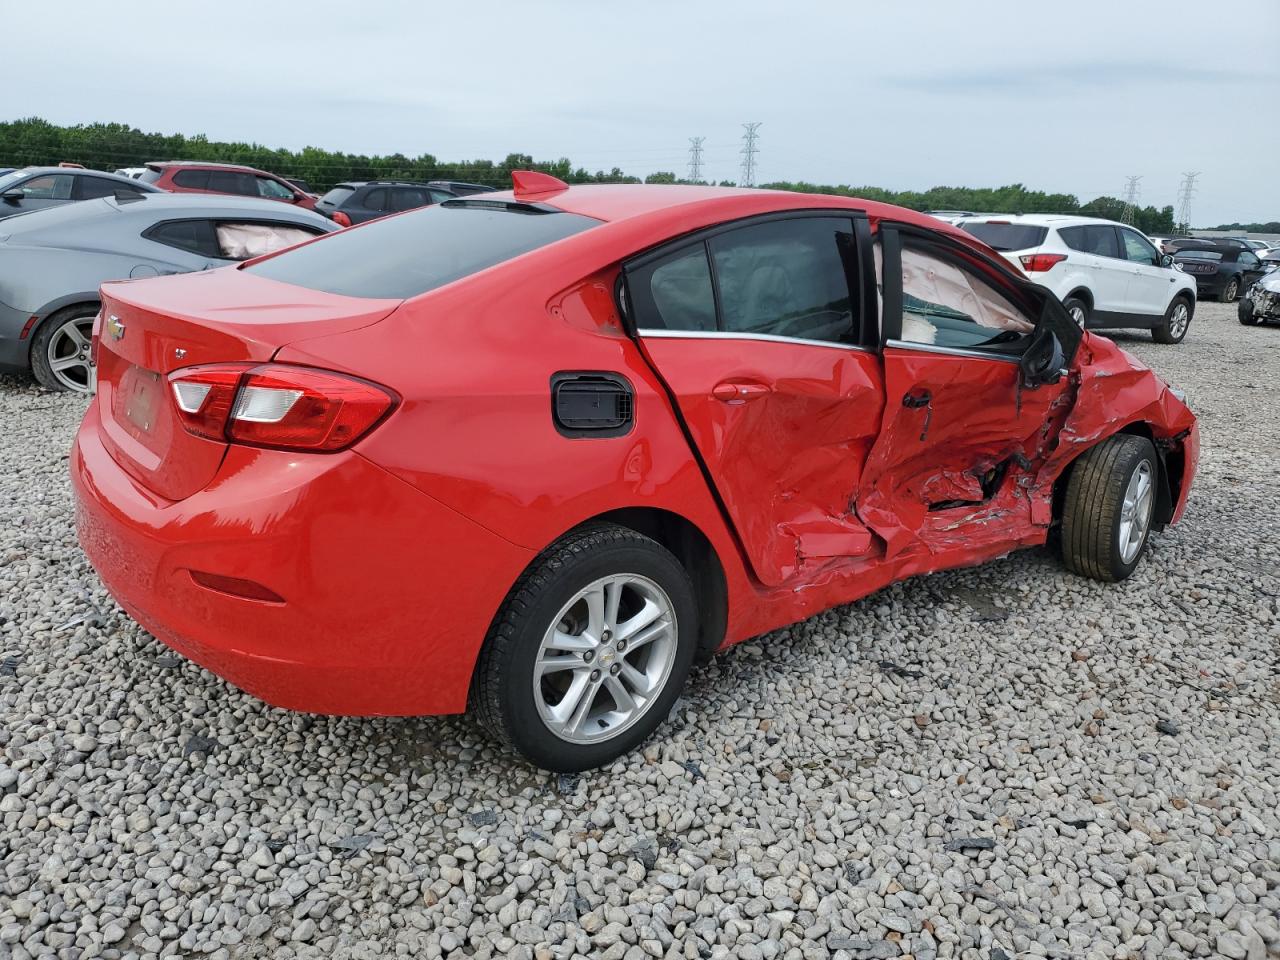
[192, 179]
[424, 249]
[150, 176]
[375, 199]
[1137, 249]
[947, 305]
[1184, 255]
[679, 288]
[273, 189]
[1007, 236]
[337, 196]
[1098, 239]
[1248, 260]
[54, 186]
[786, 278]
[91, 188]
[233, 182]
[438, 195]
[408, 198]
[194, 236]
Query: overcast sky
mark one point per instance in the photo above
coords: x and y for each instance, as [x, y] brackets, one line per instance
[1068, 96]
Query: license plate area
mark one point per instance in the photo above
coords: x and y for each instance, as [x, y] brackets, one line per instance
[138, 399]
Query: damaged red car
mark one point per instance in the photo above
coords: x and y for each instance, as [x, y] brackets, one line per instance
[530, 455]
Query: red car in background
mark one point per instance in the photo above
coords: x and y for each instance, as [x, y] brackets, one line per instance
[530, 454]
[195, 176]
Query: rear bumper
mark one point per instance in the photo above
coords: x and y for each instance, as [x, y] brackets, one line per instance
[387, 594]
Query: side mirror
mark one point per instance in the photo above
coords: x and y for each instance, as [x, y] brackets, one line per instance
[1166, 260]
[1044, 360]
[12, 196]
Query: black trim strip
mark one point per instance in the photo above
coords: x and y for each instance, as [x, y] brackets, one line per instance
[891, 257]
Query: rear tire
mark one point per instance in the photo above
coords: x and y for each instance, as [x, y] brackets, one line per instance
[561, 679]
[1245, 313]
[1230, 290]
[60, 350]
[1108, 509]
[1078, 309]
[1176, 322]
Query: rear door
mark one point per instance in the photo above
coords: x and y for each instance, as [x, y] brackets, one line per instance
[961, 437]
[1108, 267]
[760, 333]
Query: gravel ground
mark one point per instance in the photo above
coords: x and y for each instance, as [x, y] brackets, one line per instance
[993, 763]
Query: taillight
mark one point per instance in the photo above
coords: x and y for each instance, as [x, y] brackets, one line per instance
[341, 219]
[1040, 262]
[277, 405]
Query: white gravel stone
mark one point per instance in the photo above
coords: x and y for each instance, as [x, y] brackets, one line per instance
[967, 761]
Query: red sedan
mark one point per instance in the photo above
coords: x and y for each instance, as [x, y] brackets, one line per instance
[530, 454]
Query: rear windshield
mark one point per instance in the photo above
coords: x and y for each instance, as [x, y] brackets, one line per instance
[338, 194]
[407, 255]
[1198, 255]
[1007, 236]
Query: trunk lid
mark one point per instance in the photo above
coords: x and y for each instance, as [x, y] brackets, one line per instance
[150, 328]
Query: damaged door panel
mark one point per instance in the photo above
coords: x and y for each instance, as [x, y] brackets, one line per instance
[963, 436]
[754, 331]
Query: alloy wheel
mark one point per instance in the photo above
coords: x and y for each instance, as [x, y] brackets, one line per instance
[1178, 320]
[1077, 314]
[69, 354]
[1230, 293]
[1135, 511]
[605, 659]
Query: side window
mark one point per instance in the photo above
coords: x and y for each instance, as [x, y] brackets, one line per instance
[1073, 237]
[50, 187]
[375, 199]
[439, 196]
[192, 179]
[272, 189]
[1098, 239]
[675, 292]
[948, 305]
[1249, 261]
[233, 182]
[1137, 249]
[91, 188]
[242, 241]
[786, 278]
[408, 198]
[193, 236]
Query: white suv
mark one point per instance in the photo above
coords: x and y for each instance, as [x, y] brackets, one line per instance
[1106, 274]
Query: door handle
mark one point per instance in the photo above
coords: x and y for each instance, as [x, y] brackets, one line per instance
[739, 391]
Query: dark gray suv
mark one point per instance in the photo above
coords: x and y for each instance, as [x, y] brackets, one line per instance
[360, 200]
[35, 188]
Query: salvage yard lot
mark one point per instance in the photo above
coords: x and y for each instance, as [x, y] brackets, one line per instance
[1003, 761]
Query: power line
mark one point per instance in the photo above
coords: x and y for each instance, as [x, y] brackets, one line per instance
[1131, 192]
[749, 151]
[695, 159]
[1186, 190]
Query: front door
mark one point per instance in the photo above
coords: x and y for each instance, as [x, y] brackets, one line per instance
[760, 332]
[1150, 285]
[961, 437]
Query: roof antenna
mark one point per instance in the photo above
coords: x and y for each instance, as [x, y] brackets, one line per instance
[531, 183]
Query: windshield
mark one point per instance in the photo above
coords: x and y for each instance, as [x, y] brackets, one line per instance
[407, 255]
[11, 178]
[1006, 236]
[1198, 255]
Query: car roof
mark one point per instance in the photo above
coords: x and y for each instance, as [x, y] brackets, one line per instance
[83, 172]
[203, 164]
[162, 206]
[1044, 219]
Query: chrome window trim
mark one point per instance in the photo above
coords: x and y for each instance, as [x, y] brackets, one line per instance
[735, 335]
[953, 351]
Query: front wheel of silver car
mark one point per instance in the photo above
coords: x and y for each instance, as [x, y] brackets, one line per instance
[589, 650]
[61, 350]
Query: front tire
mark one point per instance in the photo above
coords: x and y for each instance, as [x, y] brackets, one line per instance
[60, 350]
[589, 650]
[1245, 313]
[1109, 505]
[1177, 319]
[1230, 290]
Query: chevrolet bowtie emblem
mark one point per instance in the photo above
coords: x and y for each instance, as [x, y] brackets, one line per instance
[115, 328]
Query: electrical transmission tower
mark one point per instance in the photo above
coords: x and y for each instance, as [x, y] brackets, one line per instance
[695, 159]
[1131, 191]
[1186, 190]
[749, 151]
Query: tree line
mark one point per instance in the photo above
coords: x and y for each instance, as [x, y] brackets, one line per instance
[108, 146]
